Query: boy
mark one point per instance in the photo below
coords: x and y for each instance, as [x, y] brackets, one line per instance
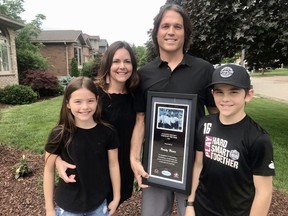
[234, 166]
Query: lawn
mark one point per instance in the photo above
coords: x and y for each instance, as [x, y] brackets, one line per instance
[28, 126]
[276, 72]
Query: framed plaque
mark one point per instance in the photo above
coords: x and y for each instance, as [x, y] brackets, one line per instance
[168, 152]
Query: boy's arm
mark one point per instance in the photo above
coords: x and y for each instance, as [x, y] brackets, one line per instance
[198, 164]
[136, 148]
[263, 195]
[48, 183]
[114, 171]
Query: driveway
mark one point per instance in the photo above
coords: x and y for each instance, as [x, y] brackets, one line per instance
[275, 87]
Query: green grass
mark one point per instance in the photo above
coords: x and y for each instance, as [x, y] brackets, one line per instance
[273, 116]
[28, 126]
[276, 72]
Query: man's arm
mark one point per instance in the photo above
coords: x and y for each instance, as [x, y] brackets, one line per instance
[136, 149]
[263, 195]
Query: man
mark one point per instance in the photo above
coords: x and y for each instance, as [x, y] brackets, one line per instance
[172, 71]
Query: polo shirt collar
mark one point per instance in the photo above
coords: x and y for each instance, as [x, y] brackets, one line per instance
[185, 61]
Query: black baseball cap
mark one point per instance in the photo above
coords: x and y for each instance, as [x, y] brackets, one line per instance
[231, 74]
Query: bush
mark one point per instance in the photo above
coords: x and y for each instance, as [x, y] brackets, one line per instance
[29, 60]
[18, 94]
[46, 84]
[65, 80]
[74, 68]
[87, 69]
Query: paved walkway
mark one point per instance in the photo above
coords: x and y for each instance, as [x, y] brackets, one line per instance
[275, 87]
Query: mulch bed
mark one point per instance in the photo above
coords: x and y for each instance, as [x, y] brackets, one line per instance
[25, 197]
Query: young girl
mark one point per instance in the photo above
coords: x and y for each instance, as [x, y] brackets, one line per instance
[117, 78]
[83, 139]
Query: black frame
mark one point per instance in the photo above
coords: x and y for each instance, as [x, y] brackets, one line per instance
[168, 152]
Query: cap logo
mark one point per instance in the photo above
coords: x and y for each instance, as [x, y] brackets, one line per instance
[226, 72]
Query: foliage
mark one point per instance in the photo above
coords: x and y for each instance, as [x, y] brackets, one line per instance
[140, 54]
[22, 169]
[45, 83]
[29, 60]
[28, 53]
[87, 69]
[96, 64]
[65, 80]
[12, 8]
[223, 28]
[18, 94]
[74, 68]
[151, 52]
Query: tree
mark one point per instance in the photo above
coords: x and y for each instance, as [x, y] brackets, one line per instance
[140, 53]
[223, 28]
[12, 8]
[28, 53]
[74, 68]
[151, 51]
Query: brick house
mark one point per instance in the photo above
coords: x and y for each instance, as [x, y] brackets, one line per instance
[8, 59]
[61, 46]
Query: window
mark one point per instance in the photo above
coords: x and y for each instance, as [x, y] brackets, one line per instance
[78, 55]
[4, 53]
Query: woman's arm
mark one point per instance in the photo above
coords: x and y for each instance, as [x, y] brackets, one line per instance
[61, 167]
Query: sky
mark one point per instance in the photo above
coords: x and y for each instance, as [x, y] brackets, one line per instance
[113, 20]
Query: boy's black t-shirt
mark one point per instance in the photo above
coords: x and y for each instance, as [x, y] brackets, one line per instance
[232, 154]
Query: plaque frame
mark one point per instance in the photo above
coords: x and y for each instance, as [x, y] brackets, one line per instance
[168, 152]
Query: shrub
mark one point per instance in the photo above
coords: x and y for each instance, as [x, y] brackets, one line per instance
[87, 69]
[45, 83]
[22, 169]
[65, 80]
[74, 68]
[29, 59]
[18, 94]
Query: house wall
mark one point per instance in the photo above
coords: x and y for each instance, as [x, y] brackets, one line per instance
[10, 78]
[59, 57]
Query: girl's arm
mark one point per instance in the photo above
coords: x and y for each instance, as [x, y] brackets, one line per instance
[198, 164]
[115, 179]
[263, 195]
[48, 183]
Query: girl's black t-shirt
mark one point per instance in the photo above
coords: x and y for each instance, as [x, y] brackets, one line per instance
[88, 151]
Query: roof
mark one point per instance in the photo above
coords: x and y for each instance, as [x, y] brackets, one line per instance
[14, 24]
[60, 36]
[86, 36]
[103, 42]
